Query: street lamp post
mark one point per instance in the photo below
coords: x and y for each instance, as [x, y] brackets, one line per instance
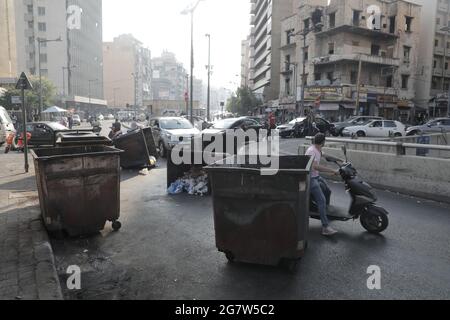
[208, 108]
[40, 42]
[185, 12]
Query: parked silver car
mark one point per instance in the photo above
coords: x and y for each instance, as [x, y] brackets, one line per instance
[434, 126]
[171, 131]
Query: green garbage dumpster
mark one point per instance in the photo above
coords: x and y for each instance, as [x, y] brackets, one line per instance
[262, 219]
[79, 188]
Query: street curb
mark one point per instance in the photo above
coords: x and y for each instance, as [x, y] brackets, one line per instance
[47, 280]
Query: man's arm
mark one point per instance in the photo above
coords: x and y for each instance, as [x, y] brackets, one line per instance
[324, 169]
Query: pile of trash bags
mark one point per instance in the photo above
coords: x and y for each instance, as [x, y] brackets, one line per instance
[194, 182]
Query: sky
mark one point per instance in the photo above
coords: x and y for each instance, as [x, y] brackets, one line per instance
[160, 25]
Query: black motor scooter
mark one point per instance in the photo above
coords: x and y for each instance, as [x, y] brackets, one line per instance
[372, 217]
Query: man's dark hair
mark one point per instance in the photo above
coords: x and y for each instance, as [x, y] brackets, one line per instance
[319, 139]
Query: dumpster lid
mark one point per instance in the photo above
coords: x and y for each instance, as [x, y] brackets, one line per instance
[80, 138]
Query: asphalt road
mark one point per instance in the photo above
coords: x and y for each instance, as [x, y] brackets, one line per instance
[166, 250]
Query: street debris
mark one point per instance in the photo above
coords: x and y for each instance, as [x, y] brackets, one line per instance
[194, 182]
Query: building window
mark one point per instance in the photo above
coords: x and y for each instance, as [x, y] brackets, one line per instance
[332, 18]
[43, 57]
[438, 21]
[30, 25]
[30, 9]
[330, 76]
[406, 53]
[306, 24]
[434, 64]
[392, 24]
[389, 81]
[355, 43]
[446, 65]
[306, 54]
[436, 43]
[356, 18]
[405, 80]
[331, 48]
[41, 11]
[287, 63]
[353, 77]
[317, 76]
[408, 24]
[288, 37]
[375, 50]
[288, 86]
[42, 26]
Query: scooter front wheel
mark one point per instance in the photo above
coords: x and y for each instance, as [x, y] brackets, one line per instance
[374, 221]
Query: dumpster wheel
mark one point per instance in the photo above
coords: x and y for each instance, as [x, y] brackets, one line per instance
[230, 256]
[116, 225]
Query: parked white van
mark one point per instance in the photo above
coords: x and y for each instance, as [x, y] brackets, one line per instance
[6, 125]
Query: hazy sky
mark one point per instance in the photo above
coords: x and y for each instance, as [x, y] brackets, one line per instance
[160, 25]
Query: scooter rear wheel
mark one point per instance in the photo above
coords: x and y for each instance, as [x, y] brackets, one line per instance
[374, 221]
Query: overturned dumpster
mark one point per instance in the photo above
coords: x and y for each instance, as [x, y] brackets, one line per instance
[79, 188]
[139, 149]
[261, 219]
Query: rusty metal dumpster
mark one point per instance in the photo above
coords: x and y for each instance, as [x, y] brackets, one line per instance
[262, 219]
[79, 188]
[139, 149]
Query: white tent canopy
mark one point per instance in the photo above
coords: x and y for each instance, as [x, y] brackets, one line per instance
[55, 109]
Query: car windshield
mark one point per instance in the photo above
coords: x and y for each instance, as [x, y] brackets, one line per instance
[224, 124]
[175, 124]
[297, 120]
[57, 126]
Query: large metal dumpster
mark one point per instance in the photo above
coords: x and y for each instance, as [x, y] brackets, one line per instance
[139, 149]
[262, 219]
[79, 188]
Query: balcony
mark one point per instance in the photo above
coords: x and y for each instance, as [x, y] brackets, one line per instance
[439, 51]
[355, 57]
[358, 30]
[443, 7]
[438, 72]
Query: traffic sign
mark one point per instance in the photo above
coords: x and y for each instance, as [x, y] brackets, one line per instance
[16, 100]
[24, 83]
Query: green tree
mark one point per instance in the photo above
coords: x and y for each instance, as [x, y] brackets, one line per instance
[31, 96]
[243, 101]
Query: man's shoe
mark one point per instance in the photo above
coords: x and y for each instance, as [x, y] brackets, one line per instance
[328, 231]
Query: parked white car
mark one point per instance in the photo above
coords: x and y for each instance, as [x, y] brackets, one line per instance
[377, 128]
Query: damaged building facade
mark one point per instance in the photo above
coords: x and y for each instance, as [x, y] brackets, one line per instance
[346, 42]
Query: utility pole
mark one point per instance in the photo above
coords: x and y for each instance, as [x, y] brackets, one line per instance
[191, 12]
[208, 108]
[358, 89]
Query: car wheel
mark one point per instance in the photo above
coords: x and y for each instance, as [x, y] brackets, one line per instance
[361, 134]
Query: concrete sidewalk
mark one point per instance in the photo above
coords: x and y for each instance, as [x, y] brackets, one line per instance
[27, 267]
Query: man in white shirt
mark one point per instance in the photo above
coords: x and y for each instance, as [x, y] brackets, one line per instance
[317, 193]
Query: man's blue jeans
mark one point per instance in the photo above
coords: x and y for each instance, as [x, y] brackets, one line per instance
[320, 198]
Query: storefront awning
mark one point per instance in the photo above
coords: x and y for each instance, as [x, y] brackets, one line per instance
[329, 107]
[387, 106]
[348, 106]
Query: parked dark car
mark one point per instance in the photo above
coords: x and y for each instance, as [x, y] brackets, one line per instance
[295, 128]
[225, 126]
[44, 133]
[352, 122]
[434, 126]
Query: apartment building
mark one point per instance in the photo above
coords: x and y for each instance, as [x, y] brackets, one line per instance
[343, 41]
[169, 78]
[131, 83]
[73, 64]
[434, 72]
[245, 63]
[265, 38]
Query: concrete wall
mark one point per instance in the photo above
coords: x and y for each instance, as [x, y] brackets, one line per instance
[418, 176]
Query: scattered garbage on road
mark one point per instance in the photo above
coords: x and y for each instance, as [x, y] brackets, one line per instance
[194, 182]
